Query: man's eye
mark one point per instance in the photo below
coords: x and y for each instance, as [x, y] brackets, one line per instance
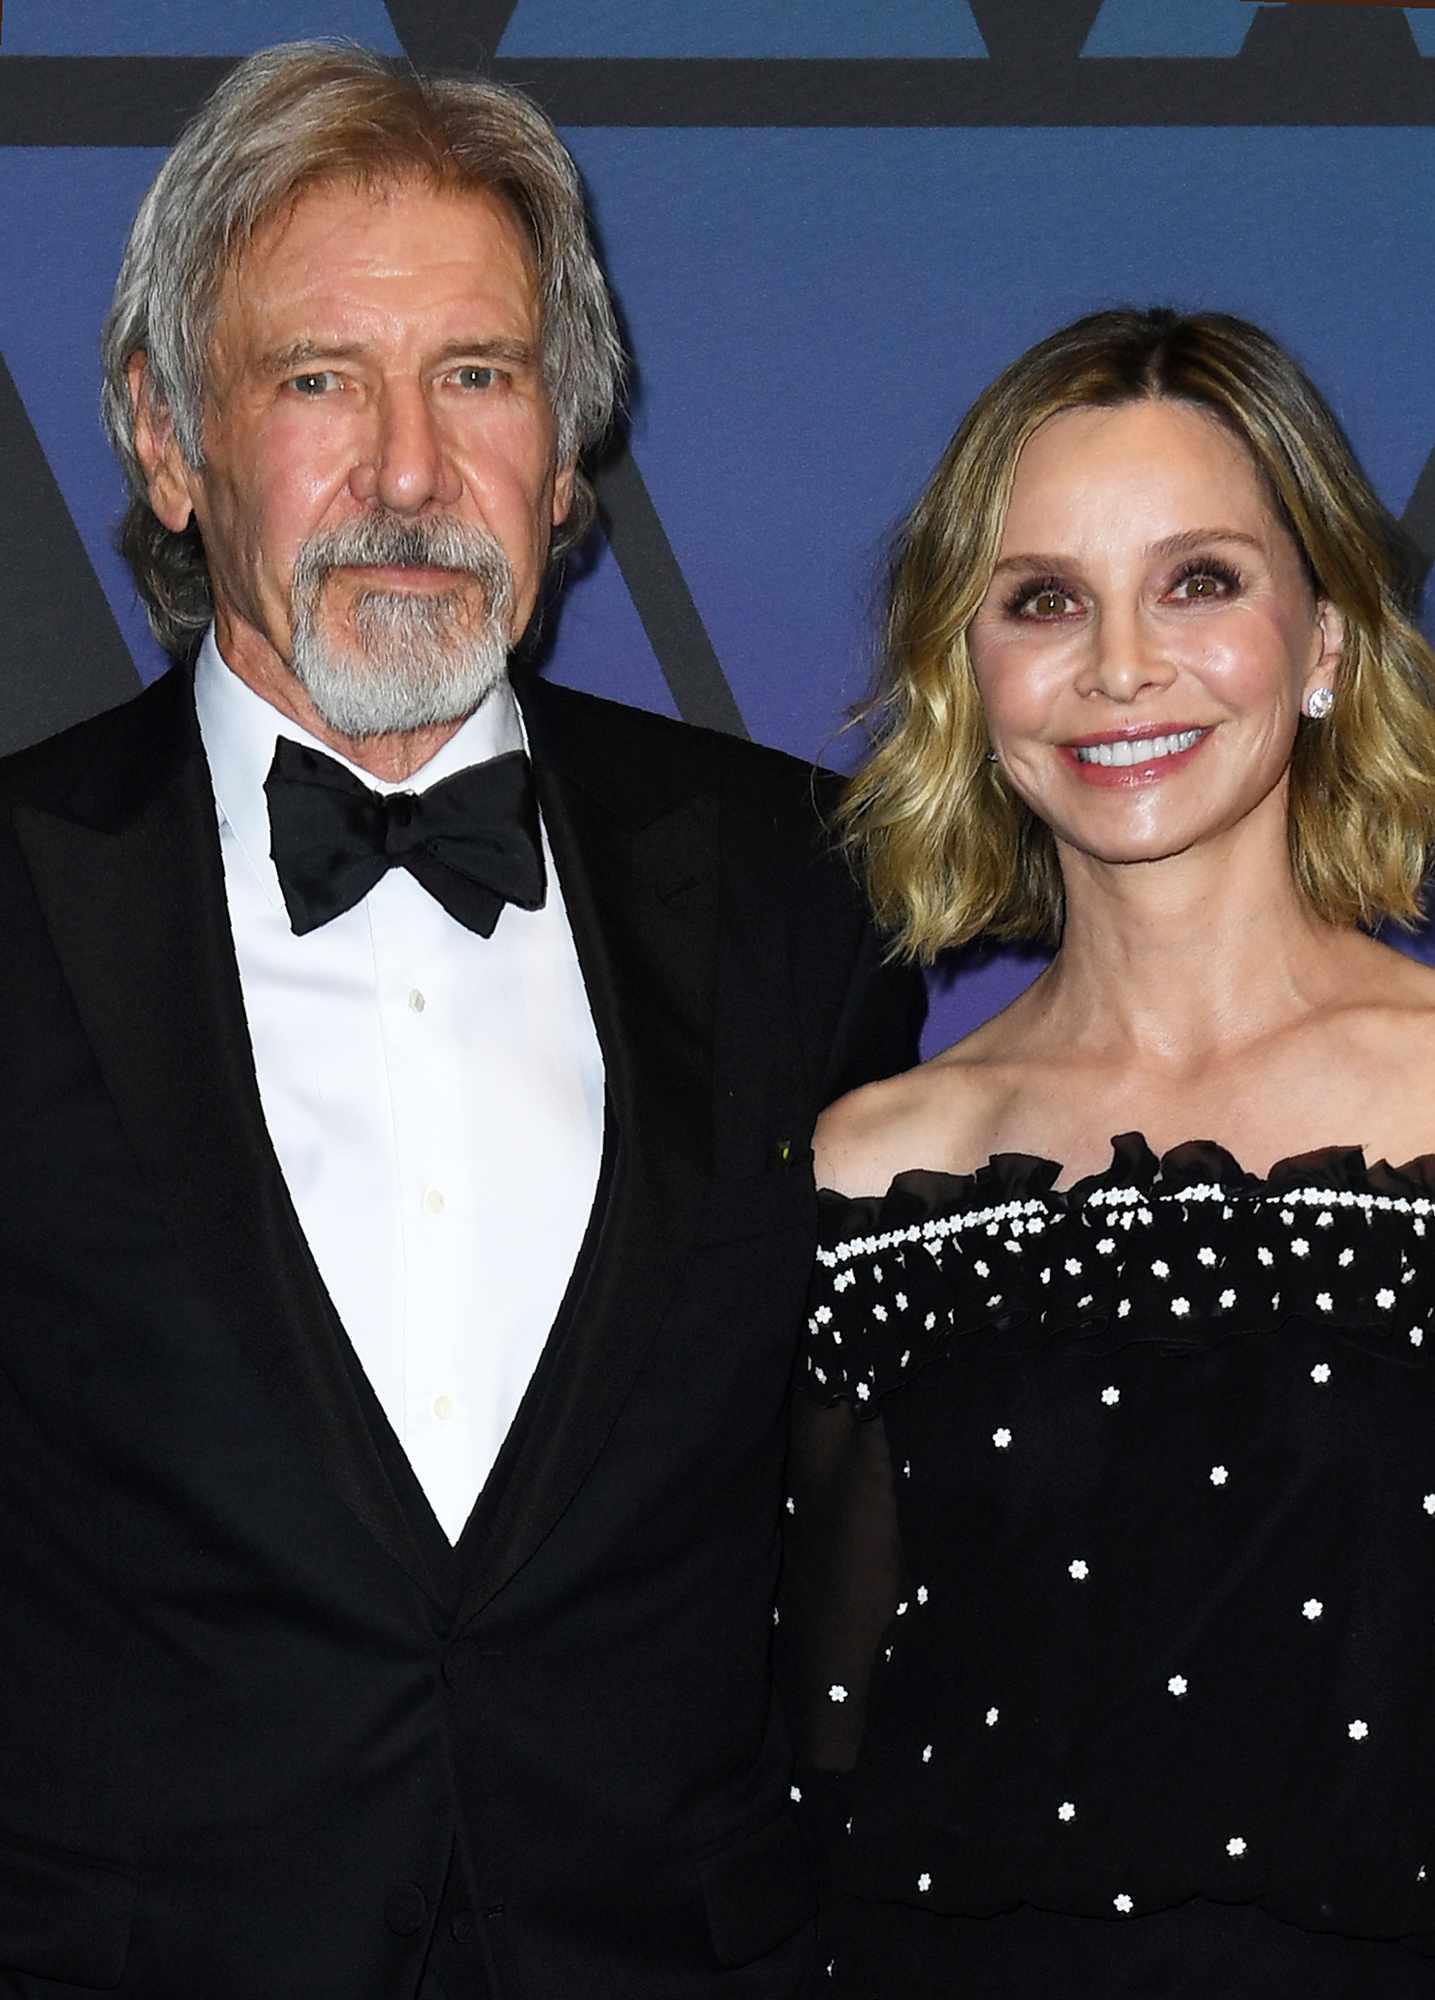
[476, 375]
[317, 382]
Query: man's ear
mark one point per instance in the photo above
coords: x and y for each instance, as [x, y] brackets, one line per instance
[563, 491]
[157, 448]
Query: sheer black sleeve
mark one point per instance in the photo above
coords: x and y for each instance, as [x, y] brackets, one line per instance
[841, 1576]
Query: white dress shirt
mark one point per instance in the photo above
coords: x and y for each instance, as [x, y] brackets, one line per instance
[435, 1099]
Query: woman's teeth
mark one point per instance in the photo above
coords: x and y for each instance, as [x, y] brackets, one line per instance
[1138, 749]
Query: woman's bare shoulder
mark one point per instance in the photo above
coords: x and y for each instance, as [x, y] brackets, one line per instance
[932, 1116]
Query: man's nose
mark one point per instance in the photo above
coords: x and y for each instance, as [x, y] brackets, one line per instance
[406, 466]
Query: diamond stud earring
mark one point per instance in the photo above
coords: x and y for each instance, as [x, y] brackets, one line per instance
[1318, 703]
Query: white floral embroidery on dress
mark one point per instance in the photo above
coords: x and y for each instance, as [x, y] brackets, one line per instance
[1177, 1685]
[1124, 1904]
[993, 1716]
[924, 1882]
[1312, 1608]
[1077, 1569]
[1358, 1731]
[1219, 1475]
[1385, 1298]
[1001, 1438]
[1235, 1846]
[1066, 1810]
[837, 1692]
[1321, 1372]
[1429, 1503]
[1111, 1396]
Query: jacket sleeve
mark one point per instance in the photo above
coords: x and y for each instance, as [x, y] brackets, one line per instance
[880, 1022]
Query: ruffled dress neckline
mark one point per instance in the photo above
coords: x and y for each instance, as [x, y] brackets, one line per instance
[1183, 1248]
[1135, 1164]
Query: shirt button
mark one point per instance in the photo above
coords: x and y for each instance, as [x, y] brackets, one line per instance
[433, 1202]
[443, 1406]
[405, 1909]
[417, 1001]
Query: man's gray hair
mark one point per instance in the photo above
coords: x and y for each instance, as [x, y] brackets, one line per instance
[288, 119]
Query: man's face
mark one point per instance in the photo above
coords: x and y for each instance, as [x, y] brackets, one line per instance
[375, 412]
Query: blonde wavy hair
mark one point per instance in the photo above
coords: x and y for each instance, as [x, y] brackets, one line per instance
[947, 850]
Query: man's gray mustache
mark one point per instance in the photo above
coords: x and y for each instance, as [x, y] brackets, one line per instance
[378, 541]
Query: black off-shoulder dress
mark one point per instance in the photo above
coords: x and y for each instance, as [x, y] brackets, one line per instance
[1112, 1580]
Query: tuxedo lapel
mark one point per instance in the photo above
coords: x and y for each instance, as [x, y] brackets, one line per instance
[637, 858]
[124, 851]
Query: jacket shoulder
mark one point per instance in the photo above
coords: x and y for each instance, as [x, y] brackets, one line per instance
[675, 757]
[99, 761]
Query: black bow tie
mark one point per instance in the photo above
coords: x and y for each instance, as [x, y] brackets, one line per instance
[471, 840]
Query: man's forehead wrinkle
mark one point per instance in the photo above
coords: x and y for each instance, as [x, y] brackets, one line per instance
[268, 230]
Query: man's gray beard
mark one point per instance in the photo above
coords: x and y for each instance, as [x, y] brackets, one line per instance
[416, 659]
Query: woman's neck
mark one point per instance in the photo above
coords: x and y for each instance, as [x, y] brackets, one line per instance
[1174, 960]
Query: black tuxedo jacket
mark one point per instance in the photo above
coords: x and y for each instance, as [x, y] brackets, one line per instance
[263, 1734]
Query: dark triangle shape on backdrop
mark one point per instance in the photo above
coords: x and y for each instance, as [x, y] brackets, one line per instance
[450, 37]
[42, 624]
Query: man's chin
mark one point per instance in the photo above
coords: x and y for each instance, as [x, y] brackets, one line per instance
[362, 691]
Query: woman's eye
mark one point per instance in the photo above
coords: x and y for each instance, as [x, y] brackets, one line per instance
[1204, 584]
[1049, 603]
[1046, 600]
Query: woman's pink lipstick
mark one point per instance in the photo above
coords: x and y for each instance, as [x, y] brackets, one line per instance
[1141, 755]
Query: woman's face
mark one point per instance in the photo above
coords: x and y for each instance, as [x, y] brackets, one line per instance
[1149, 634]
